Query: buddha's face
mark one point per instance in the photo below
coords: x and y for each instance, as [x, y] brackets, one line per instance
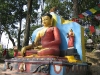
[46, 21]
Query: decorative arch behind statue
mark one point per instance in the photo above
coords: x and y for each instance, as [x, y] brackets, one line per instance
[64, 26]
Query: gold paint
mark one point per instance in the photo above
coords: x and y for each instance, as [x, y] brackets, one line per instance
[83, 45]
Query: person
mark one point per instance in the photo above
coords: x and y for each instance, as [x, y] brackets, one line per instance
[89, 43]
[15, 51]
[47, 39]
[70, 35]
[4, 47]
[98, 45]
[86, 31]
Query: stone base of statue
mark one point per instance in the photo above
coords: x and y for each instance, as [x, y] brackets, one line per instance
[72, 52]
[44, 65]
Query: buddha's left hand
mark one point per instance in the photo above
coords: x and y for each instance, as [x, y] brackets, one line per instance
[23, 50]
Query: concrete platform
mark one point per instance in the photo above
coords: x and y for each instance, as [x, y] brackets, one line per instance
[20, 73]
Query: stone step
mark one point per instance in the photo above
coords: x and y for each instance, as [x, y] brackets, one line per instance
[21, 73]
[97, 53]
[92, 57]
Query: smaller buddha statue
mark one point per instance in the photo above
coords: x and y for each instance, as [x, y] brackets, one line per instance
[71, 37]
[71, 53]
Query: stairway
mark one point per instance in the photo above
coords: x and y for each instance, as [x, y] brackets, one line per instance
[94, 58]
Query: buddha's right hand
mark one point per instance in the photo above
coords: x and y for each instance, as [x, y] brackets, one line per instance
[23, 50]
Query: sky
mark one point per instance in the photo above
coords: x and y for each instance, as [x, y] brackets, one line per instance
[4, 41]
[5, 38]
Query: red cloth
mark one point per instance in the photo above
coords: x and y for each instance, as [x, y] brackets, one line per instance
[4, 52]
[71, 41]
[98, 5]
[81, 16]
[75, 20]
[51, 40]
[92, 29]
[15, 53]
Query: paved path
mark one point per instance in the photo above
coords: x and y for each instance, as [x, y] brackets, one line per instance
[1, 68]
[1, 65]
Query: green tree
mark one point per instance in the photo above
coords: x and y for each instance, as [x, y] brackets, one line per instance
[62, 6]
[6, 19]
[11, 12]
[19, 15]
[84, 5]
[70, 7]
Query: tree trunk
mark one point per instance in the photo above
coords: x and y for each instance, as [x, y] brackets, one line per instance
[19, 33]
[75, 8]
[27, 27]
[11, 39]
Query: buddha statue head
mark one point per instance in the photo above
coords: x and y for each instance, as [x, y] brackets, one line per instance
[47, 20]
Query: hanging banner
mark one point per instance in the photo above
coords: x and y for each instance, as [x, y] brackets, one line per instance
[97, 16]
[81, 16]
[90, 12]
[85, 14]
[93, 10]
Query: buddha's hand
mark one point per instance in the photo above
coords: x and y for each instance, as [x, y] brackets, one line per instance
[23, 50]
[37, 43]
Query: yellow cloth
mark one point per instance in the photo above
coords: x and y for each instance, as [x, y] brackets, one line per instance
[72, 59]
[63, 21]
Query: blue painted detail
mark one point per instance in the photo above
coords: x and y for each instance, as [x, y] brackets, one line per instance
[52, 71]
[64, 29]
[70, 70]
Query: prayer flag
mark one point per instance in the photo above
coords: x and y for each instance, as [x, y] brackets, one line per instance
[89, 12]
[93, 10]
[85, 14]
[92, 29]
[97, 8]
[99, 5]
[97, 16]
[81, 16]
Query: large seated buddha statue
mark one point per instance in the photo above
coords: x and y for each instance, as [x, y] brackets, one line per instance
[55, 38]
[47, 40]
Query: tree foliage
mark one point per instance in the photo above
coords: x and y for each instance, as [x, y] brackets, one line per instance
[12, 13]
[69, 8]
[63, 7]
[84, 5]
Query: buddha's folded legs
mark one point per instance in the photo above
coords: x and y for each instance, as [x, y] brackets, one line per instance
[48, 51]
